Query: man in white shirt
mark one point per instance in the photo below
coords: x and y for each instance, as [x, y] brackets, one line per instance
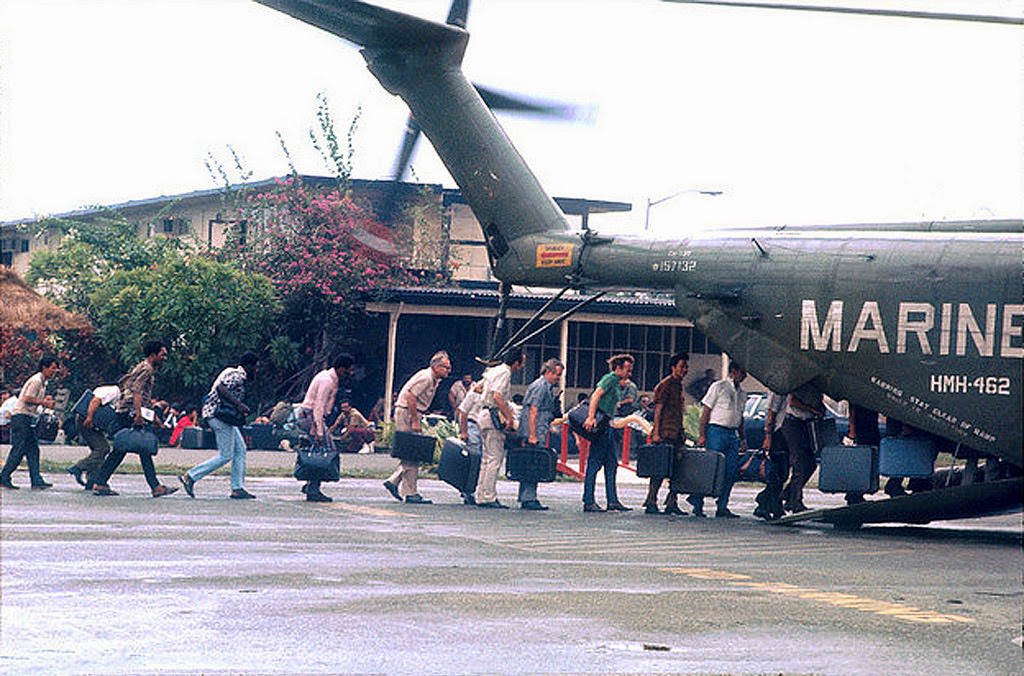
[495, 419]
[97, 442]
[469, 430]
[721, 429]
[24, 443]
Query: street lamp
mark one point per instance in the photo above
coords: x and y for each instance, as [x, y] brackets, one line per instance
[651, 203]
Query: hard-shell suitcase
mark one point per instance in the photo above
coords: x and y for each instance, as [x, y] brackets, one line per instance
[459, 466]
[906, 457]
[413, 447]
[701, 472]
[104, 419]
[259, 437]
[198, 438]
[531, 463]
[654, 461]
[848, 469]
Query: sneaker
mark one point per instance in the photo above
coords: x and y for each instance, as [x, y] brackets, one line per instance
[393, 489]
[102, 489]
[417, 499]
[161, 490]
[189, 483]
[240, 494]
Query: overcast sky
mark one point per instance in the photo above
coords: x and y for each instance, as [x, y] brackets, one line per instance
[796, 117]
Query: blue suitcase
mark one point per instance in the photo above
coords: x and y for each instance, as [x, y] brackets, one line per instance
[459, 466]
[848, 469]
[259, 437]
[906, 457]
[413, 447]
[701, 472]
[654, 461]
[531, 463]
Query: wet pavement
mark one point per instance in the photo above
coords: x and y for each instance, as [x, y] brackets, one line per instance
[136, 585]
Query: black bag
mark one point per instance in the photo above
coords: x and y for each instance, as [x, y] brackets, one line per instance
[136, 440]
[413, 447]
[229, 413]
[655, 461]
[317, 463]
[578, 416]
[531, 463]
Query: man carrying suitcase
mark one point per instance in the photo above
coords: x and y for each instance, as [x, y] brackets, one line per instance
[769, 500]
[669, 405]
[496, 419]
[95, 439]
[721, 429]
[540, 407]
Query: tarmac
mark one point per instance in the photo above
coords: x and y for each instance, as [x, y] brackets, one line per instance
[366, 585]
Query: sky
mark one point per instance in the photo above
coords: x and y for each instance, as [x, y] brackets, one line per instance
[797, 118]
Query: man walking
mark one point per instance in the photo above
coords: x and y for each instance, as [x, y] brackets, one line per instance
[318, 402]
[95, 439]
[721, 429]
[495, 419]
[136, 394]
[540, 407]
[669, 405]
[414, 400]
[24, 443]
[603, 401]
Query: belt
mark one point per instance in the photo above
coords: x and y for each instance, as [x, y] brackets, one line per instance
[722, 427]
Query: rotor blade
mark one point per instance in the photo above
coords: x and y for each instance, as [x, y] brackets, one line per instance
[906, 13]
[409, 140]
[498, 100]
[458, 13]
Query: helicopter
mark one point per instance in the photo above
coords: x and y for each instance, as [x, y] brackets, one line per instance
[923, 322]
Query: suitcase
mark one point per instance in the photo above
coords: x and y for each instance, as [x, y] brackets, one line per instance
[531, 464]
[701, 472]
[654, 461]
[906, 457]
[413, 447]
[198, 438]
[848, 469]
[822, 433]
[459, 466]
[259, 437]
[104, 419]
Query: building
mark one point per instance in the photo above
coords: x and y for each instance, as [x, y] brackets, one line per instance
[414, 322]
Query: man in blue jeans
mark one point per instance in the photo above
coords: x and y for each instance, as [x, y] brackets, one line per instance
[721, 429]
[605, 399]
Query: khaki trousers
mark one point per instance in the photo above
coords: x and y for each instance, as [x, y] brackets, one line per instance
[491, 461]
[407, 473]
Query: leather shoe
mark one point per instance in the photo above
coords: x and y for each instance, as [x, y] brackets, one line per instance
[393, 489]
[725, 514]
[417, 499]
[533, 506]
[652, 509]
[673, 510]
[468, 499]
[592, 507]
[492, 505]
[619, 507]
[699, 513]
[242, 494]
[76, 472]
[763, 513]
[161, 490]
[6, 483]
[189, 483]
[101, 489]
[41, 486]
[318, 497]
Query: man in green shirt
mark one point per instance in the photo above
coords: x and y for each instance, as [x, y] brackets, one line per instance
[605, 399]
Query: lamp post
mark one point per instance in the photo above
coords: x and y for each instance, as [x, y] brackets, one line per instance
[651, 203]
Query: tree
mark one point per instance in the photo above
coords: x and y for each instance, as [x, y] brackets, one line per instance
[208, 312]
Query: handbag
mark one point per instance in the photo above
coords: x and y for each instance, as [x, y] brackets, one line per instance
[317, 463]
[135, 440]
[225, 411]
[578, 415]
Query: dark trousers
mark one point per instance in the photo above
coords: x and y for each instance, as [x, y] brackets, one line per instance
[602, 454]
[24, 445]
[101, 476]
[654, 485]
[801, 460]
[98, 447]
[778, 472]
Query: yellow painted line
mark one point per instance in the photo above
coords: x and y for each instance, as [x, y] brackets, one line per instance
[885, 608]
[373, 511]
